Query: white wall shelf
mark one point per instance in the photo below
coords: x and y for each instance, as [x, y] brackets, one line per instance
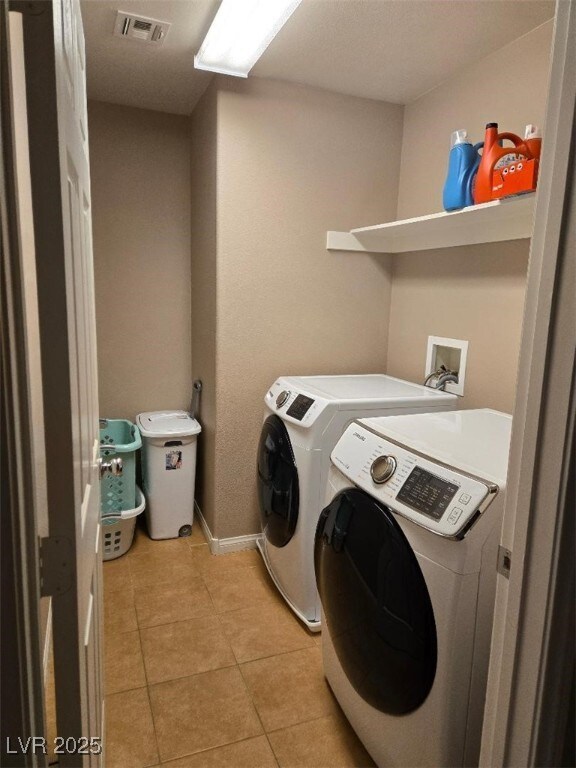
[499, 220]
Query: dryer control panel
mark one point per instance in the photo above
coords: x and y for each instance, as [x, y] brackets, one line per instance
[293, 406]
[439, 498]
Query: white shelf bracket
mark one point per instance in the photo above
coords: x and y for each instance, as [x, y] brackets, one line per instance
[343, 241]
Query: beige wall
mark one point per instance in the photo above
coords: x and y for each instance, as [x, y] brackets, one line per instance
[292, 162]
[203, 218]
[467, 293]
[141, 225]
[474, 293]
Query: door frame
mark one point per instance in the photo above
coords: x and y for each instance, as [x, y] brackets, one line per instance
[22, 686]
[529, 684]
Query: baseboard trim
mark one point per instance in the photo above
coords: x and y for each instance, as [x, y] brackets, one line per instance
[234, 544]
[223, 546]
[203, 524]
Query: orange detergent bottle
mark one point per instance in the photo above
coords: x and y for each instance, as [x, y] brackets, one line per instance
[491, 184]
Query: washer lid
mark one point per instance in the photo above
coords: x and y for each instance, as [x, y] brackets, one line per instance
[475, 441]
[368, 387]
[167, 424]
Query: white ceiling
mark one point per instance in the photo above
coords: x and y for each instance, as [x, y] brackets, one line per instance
[124, 71]
[394, 50]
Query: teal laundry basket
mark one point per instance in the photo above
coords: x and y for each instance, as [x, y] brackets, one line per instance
[121, 500]
[119, 438]
[118, 531]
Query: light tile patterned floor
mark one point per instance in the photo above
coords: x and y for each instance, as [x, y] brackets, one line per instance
[207, 668]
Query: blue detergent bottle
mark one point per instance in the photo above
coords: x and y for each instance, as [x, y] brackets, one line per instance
[463, 163]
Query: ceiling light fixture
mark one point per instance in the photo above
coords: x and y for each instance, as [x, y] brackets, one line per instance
[240, 33]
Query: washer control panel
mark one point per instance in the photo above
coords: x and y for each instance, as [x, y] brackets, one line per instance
[427, 493]
[438, 498]
[296, 407]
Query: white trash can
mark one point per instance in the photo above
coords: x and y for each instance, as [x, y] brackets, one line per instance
[168, 471]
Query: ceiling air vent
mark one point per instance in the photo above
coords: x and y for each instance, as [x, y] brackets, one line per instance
[140, 28]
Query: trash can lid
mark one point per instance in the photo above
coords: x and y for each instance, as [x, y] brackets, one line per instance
[167, 424]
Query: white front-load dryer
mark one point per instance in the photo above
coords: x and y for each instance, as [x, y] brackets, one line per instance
[304, 417]
[405, 559]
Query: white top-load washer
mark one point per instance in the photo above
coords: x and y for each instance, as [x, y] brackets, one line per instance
[406, 558]
[304, 417]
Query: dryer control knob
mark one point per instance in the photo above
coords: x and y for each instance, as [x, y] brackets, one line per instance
[282, 397]
[382, 469]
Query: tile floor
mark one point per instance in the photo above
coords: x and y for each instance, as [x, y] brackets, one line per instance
[205, 667]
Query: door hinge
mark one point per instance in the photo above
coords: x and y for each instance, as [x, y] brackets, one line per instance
[504, 561]
[55, 565]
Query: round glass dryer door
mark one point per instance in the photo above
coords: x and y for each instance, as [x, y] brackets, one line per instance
[278, 491]
[376, 603]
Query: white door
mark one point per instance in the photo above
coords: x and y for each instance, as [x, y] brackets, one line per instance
[60, 179]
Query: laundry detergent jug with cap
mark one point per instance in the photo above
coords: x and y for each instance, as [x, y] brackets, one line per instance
[516, 174]
[463, 164]
[491, 183]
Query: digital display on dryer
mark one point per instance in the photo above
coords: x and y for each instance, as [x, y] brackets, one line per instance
[300, 407]
[427, 493]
